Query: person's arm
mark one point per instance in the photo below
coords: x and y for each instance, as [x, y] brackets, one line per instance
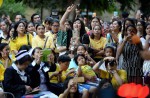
[62, 48]
[121, 46]
[100, 53]
[117, 77]
[64, 17]
[96, 66]
[146, 47]
[66, 92]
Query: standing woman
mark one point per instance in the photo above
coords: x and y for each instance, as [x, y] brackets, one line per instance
[4, 36]
[132, 61]
[97, 43]
[141, 31]
[116, 30]
[20, 37]
[41, 40]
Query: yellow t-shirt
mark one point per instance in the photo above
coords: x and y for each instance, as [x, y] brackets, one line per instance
[39, 42]
[54, 79]
[86, 69]
[50, 34]
[2, 70]
[20, 41]
[3, 61]
[98, 44]
[121, 73]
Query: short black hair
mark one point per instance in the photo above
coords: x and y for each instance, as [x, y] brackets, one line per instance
[64, 58]
[32, 17]
[76, 57]
[49, 20]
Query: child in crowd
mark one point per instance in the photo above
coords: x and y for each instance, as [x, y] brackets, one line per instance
[87, 72]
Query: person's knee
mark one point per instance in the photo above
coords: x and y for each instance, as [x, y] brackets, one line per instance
[85, 93]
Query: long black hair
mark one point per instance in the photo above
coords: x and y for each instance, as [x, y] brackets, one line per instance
[82, 30]
[77, 94]
[124, 29]
[144, 27]
[15, 34]
[2, 46]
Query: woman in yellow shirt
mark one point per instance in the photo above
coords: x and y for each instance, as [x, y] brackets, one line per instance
[41, 40]
[19, 37]
[5, 60]
[97, 42]
[117, 77]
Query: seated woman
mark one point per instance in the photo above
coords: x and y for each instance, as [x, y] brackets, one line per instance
[117, 77]
[71, 89]
[40, 69]
[16, 80]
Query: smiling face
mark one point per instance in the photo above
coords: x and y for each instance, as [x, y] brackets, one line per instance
[115, 26]
[73, 85]
[139, 27]
[81, 50]
[148, 29]
[77, 25]
[5, 52]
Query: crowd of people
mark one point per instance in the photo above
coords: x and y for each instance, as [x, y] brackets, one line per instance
[84, 60]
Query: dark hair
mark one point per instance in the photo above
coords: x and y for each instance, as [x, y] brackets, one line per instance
[131, 26]
[25, 47]
[39, 25]
[32, 17]
[98, 21]
[15, 34]
[49, 20]
[120, 24]
[147, 25]
[92, 35]
[112, 48]
[82, 30]
[64, 58]
[76, 58]
[23, 60]
[70, 23]
[82, 46]
[124, 29]
[77, 94]
[125, 14]
[144, 27]
[2, 46]
[55, 20]
[7, 24]
[36, 49]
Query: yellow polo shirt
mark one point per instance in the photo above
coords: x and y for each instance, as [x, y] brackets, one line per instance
[39, 42]
[50, 34]
[121, 73]
[15, 44]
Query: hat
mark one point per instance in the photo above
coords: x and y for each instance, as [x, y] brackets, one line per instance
[21, 54]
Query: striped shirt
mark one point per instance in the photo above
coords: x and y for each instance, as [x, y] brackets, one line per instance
[132, 62]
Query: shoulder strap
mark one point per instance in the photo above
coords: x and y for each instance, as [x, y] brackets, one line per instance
[45, 42]
[28, 39]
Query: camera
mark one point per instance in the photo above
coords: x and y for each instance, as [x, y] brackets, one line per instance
[111, 63]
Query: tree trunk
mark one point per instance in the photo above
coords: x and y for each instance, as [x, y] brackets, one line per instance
[41, 13]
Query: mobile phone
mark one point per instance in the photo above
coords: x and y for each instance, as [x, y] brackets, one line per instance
[105, 25]
[45, 53]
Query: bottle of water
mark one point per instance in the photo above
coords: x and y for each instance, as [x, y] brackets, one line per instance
[108, 36]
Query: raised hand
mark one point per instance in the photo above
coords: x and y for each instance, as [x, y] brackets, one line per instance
[70, 8]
